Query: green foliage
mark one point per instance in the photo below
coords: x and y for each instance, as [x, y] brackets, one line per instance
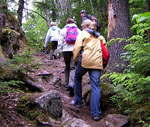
[25, 62]
[144, 123]
[30, 110]
[35, 29]
[14, 70]
[137, 6]
[132, 87]
[5, 86]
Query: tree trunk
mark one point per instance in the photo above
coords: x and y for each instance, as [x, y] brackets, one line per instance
[148, 9]
[1, 22]
[69, 8]
[63, 5]
[118, 27]
[20, 11]
[91, 4]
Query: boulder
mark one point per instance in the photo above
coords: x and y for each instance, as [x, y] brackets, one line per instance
[114, 120]
[51, 102]
[2, 58]
[69, 121]
[13, 38]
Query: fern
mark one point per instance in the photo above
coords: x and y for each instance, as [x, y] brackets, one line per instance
[12, 71]
[7, 86]
[133, 86]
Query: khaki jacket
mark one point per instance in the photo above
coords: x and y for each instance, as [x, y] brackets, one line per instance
[92, 55]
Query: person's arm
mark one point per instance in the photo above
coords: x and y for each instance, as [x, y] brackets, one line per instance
[77, 46]
[103, 40]
[47, 38]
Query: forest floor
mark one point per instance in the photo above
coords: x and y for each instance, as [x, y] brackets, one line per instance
[9, 117]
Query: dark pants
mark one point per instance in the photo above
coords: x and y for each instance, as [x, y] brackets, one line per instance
[68, 59]
[53, 47]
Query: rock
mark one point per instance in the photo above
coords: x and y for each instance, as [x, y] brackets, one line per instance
[13, 37]
[69, 121]
[51, 102]
[114, 120]
[32, 86]
[2, 58]
[10, 41]
[55, 81]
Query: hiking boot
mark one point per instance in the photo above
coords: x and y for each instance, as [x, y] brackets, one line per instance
[71, 91]
[96, 118]
[76, 105]
[54, 56]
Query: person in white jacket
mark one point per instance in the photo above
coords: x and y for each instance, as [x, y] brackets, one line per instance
[67, 49]
[53, 35]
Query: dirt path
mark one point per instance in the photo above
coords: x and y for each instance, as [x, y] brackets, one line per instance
[55, 79]
[56, 68]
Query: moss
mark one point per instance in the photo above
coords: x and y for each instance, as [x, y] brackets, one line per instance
[140, 112]
[107, 89]
[9, 31]
[29, 109]
[2, 58]
[14, 22]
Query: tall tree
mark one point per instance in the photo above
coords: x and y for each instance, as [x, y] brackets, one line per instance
[20, 11]
[148, 5]
[92, 8]
[118, 27]
[148, 9]
[1, 22]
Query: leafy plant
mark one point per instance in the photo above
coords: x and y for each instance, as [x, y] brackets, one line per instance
[132, 87]
[14, 70]
[35, 29]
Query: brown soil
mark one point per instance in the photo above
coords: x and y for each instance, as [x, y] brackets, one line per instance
[8, 102]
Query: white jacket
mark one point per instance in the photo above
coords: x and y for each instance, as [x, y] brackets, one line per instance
[66, 47]
[53, 34]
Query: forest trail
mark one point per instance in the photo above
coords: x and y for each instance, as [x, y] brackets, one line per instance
[51, 77]
[55, 70]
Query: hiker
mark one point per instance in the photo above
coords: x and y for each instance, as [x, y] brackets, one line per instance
[68, 45]
[88, 56]
[53, 35]
[85, 16]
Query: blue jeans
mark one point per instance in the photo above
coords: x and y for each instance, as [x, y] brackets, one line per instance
[95, 88]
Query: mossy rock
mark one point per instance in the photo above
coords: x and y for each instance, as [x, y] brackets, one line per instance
[2, 58]
[28, 108]
[139, 112]
[107, 91]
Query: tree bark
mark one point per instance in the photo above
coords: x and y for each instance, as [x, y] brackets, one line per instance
[63, 5]
[148, 5]
[148, 9]
[20, 11]
[118, 27]
[69, 8]
[91, 4]
[1, 22]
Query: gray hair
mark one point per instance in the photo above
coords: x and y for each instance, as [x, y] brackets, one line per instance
[86, 23]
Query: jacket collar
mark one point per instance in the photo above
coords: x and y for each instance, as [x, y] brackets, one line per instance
[94, 33]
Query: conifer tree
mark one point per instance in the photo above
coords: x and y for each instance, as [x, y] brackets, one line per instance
[0, 22]
[118, 27]
[20, 11]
